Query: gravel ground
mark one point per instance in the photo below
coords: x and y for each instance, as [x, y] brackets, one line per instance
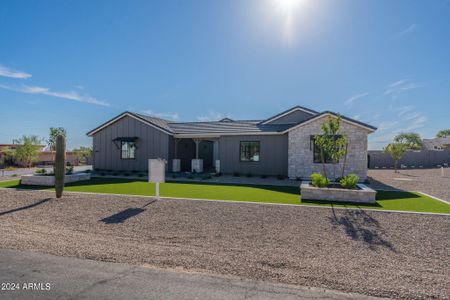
[429, 181]
[374, 253]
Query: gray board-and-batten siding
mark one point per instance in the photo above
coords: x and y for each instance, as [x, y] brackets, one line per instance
[153, 143]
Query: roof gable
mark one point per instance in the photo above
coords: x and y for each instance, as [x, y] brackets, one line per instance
[156, 123]
[332, 114]
[293, 115]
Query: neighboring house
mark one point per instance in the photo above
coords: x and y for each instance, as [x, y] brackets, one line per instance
[280, 145]
[436, 144]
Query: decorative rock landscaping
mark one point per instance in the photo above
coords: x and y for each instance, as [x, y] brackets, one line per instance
[363, 194]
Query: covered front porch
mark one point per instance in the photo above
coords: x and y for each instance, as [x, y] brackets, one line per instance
[195, 155]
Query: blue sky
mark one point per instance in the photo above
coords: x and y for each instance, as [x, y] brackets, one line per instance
[78, 63]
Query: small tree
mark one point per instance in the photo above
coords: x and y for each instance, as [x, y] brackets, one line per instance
[332, 144]
[82, 152]
[443, 133]
[8, 156]
[411, 140]
[396, 151]
[27, 150]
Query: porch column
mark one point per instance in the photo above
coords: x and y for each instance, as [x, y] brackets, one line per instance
[196, 141]
[197, 164]
[176, 163]
[216, 161]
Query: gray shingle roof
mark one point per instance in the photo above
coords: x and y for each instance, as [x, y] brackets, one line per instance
[250, 126]
[224, 126]
[164, 124]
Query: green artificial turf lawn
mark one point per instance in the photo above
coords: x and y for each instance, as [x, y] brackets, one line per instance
[404, 201]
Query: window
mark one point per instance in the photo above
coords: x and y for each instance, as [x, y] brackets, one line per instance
[317, 154]
[249, 151]
[127, 150]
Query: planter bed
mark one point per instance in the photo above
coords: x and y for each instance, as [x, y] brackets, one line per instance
[46, 180]
[362, 194]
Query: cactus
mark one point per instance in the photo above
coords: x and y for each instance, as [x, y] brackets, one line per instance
[60, 165]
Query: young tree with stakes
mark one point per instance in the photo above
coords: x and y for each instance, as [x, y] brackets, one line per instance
[396, 151]
[332, 144]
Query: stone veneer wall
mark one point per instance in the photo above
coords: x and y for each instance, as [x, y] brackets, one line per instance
[300, 151]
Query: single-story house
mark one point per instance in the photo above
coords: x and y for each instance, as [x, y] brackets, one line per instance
[282, 144]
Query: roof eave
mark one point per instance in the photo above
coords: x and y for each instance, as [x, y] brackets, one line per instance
[122, 115]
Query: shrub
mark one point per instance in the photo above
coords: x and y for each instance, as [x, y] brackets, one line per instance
[263, 176]
[281, 177]
[350, 181]
[236, 174]
[69, 170]
[206, 176]
[318, 180]
[249, 175]
[41, 171]
[14, 175]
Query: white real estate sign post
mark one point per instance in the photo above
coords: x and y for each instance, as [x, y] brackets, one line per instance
[156, 173]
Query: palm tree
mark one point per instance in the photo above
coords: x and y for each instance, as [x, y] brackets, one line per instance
[51, 142]
[443, 133]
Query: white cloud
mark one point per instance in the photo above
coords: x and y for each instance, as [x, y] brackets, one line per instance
[385, 125]
[70, 95]
[211, 116]
[349, 102]
[7, 72]
[174, 116]
[401, 86]
[402, 119]
[407, 30]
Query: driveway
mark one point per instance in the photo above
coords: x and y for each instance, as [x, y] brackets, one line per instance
[429, 181]
[373, 253]
[70, 278]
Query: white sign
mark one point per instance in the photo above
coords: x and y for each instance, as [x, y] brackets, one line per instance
[156, 173]
[156, 170]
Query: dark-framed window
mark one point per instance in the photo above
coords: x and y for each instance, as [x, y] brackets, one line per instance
[317, 152]
[127, 150]
[249, 151]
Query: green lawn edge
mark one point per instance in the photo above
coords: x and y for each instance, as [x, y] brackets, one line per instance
[386, 200]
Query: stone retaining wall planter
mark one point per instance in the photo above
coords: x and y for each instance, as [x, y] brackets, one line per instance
[362, 195]
[35, 179]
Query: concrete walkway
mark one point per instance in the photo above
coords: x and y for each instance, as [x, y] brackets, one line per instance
[53, 277]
